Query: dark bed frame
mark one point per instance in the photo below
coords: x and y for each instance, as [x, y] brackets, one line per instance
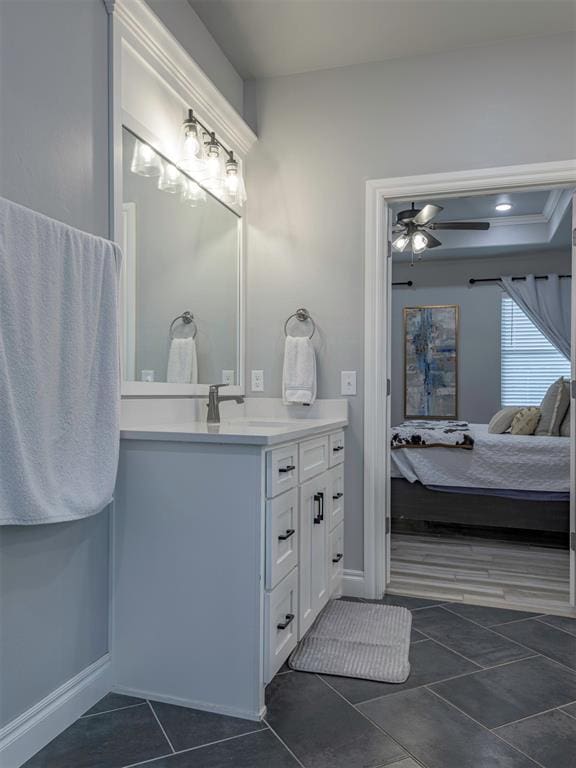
[417, 509]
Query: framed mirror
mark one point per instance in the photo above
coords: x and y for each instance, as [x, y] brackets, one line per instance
[181, 286]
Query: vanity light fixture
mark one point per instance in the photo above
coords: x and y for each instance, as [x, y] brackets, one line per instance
[503, 207]
[192, 193]
[234, 189]
[145, 161]
[191, 143]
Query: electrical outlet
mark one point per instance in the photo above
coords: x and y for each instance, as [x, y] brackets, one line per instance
[348, 382]
[227, 377]
[257, 381]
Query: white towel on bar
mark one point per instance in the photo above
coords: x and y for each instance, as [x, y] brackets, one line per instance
[59, 369]
[299, 377]
[182, 362]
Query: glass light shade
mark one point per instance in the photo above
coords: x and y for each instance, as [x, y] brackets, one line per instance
[401, 242]
[234, 190]
[171, 180]
[145, 161]
[419, 242]
[192, 193]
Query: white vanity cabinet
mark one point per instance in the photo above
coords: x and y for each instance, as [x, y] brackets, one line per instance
[226, 546]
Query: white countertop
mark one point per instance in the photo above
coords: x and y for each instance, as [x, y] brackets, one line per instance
[241, 431]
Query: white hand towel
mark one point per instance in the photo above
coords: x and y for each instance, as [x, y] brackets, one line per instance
[182, 362]
[299, 377]
[59, 369]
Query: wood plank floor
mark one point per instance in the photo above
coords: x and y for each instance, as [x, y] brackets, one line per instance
[470, 570]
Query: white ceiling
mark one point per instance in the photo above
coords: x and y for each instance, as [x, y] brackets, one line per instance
[266, 38]
[539, 221]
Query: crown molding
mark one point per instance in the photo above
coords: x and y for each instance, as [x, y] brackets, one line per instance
[144, 31]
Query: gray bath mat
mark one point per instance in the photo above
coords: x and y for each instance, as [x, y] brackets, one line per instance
[357, 640]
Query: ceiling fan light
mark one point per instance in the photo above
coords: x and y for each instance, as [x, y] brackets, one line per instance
[401, 242]
[419, 242]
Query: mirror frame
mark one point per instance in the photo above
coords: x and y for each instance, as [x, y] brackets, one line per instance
[139, 42]
[165, 389]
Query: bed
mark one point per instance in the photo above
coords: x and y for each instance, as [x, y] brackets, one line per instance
[505, 481]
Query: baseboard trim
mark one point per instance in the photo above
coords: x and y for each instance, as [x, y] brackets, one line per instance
[245, 714]
[28, 733]
[353, 583]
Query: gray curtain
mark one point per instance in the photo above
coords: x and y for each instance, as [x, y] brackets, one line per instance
[547, 304]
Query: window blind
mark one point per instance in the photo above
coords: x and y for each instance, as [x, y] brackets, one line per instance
[529, 362]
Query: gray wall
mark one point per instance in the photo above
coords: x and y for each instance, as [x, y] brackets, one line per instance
[186, 258]
[187, 27]
[53, 158]
[322, 134]
[446, 282]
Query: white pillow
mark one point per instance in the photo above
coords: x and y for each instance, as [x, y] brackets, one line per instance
[502, 421]
[553, 407]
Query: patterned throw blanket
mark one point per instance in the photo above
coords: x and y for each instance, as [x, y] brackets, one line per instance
[433, 434]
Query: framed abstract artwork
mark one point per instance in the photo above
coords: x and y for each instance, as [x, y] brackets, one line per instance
[431, 362]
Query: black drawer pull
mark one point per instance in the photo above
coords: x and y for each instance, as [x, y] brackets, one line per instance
[289, 468]
[337, 496]
[319, 497]
[338, 557]
[284, 536]
[284, 624]
[337, 448]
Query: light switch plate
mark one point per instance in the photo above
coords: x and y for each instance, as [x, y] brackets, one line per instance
[227, 377]
[257, 381]
[348, 382]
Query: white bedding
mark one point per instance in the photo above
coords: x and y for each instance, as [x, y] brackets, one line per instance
[512, 462]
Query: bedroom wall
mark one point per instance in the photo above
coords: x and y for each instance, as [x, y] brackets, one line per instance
[446, 282]
[323, 134]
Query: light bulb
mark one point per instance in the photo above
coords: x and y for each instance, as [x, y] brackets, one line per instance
[401, 242]
[171, 180]
[503, 207]
[145, 161]
[419, 242]
[191, 146]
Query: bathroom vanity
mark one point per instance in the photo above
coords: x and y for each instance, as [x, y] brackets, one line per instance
[228, 543]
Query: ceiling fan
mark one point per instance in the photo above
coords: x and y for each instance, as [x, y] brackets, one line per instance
[413, 227]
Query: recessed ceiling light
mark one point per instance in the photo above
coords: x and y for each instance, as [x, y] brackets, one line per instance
[504, 207]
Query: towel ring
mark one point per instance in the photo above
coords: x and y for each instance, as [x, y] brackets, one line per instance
[303, 315]
[188, 319]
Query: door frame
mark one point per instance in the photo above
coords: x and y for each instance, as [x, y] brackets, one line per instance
[377, 300]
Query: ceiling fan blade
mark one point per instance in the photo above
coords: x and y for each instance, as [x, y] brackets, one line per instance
[427, 214]
[460, 225]
[433, 242]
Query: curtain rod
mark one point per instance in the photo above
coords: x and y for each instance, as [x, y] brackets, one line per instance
[409, 283]
[474, 280]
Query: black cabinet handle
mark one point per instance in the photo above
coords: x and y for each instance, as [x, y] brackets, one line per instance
[284, 624]
[284, 536]
[337, 496]
[289, 468]
[338, 557]
[319, 497]
[337, 448]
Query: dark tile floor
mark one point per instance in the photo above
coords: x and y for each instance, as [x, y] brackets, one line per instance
[489, 688]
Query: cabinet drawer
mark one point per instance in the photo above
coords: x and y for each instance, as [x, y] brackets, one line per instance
[313, 458]
[336, 491]
[281, 470]
[337, 448]
[281, 536]
[336, 551]
[281, 623]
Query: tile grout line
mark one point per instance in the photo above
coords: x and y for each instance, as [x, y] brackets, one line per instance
[116, 709]
[485, 728]
[553, 626]
[446, 607]
[529, 717]
[161, 726]
[445, 679]
[540, 653]
[286, 747]
[378, 727]
[194, 749]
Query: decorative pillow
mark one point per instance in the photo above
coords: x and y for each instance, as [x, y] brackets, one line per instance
[565, 426]
[553, 407]
[502, 421]
[525, 421]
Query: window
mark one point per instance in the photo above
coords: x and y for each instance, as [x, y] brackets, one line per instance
[529, 362]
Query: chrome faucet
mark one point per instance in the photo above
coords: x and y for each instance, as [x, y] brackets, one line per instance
[214, 400]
